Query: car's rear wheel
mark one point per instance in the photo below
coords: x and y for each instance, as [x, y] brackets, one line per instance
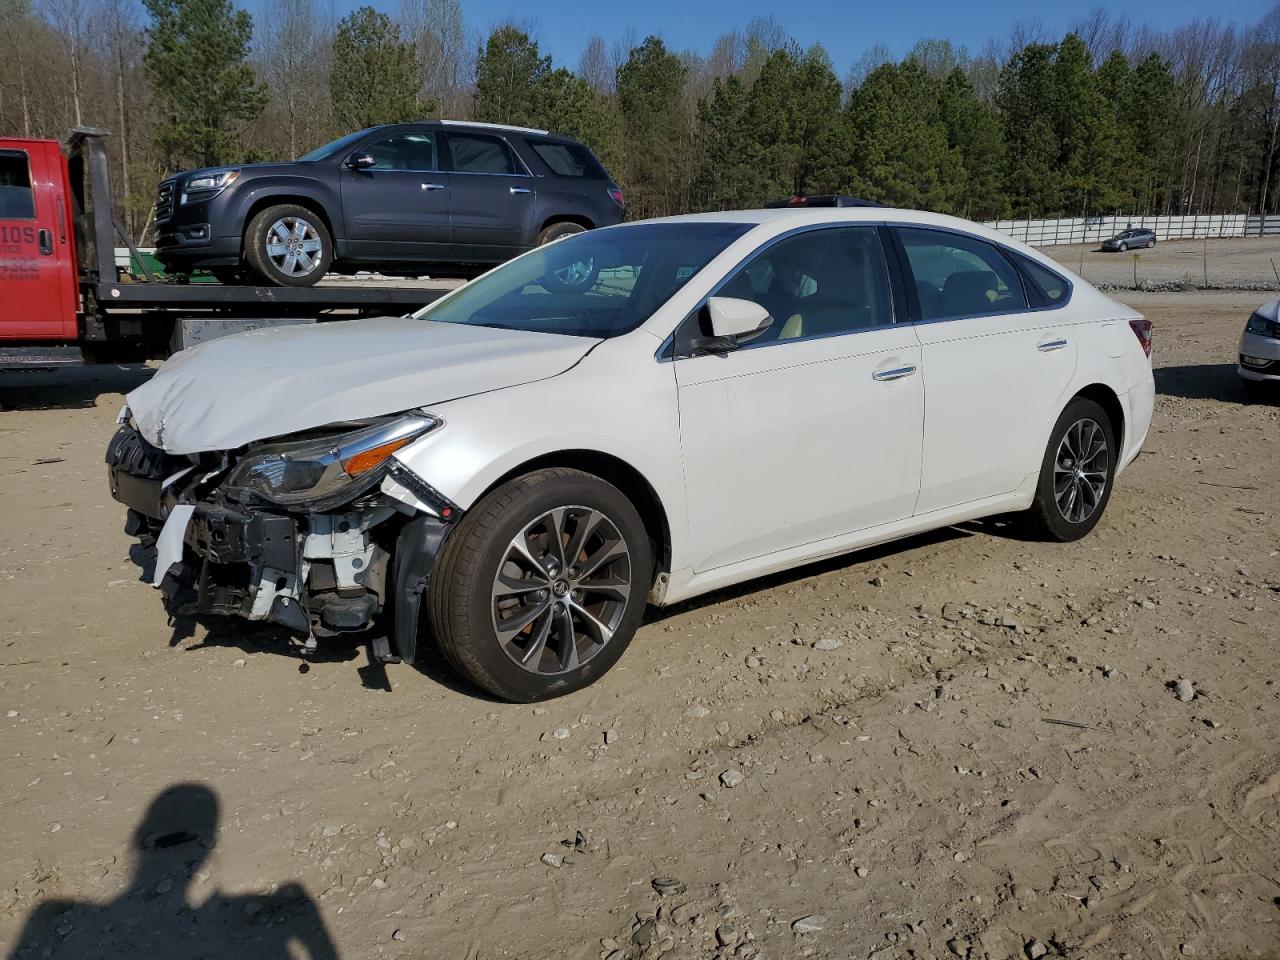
[542, 585]
[1077, 473]
[288, 245]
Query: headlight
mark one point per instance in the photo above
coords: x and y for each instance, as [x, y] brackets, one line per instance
[326, 472]
[207, 184]
[1260, 326]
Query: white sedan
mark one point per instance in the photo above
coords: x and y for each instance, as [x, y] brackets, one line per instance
[633, 415]
[1259, 355]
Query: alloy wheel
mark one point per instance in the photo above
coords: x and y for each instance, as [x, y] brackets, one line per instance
[561, 590]
[576, 274]
[294, 246]
[1080, 470]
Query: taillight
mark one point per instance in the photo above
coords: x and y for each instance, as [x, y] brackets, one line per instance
[1142, 330]
[616, 196]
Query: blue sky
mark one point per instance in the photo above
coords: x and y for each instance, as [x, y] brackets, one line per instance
[846, 29]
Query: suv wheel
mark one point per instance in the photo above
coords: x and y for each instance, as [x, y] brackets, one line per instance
[288, 246]
[1075, 477]
[542, 585]
[571, 277]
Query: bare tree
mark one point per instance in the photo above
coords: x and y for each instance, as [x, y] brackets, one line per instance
[70, 19]
[445, 54]
[873, 57]
[293, 57]
[593, 65]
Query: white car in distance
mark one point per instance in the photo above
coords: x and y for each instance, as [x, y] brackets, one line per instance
[637, 414]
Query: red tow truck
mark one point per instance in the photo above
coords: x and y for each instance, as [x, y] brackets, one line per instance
[63, 300]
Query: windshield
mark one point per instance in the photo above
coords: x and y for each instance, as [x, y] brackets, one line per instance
[601, 283]
[334, 146]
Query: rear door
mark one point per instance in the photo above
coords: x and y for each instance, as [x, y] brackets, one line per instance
[398, 209]
[492, 202]
[37, 268]
[995, 369]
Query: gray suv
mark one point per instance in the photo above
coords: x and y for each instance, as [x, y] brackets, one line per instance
[441, 197]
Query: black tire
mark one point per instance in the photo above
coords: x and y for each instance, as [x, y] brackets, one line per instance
[315, 243]
[1150, 244]
[558, 231]
[1122, 247]
[1047, 518]
[463, 610]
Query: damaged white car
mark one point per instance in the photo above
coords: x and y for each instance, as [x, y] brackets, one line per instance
[637, 414]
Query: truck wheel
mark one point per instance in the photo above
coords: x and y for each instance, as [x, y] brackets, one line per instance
[288, 246]
[542, 585]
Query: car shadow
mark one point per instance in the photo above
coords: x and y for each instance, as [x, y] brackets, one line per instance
[1205, 381]
[68, 388]
[161, 914]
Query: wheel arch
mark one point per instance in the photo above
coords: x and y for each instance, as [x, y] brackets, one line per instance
[619, 473]
[1105, 397]
[580, 220]
[286, 197]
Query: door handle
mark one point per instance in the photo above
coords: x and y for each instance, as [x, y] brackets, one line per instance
[515, 190]
[1049, 345]
[433, 186]
[46, 242]
[896, 373]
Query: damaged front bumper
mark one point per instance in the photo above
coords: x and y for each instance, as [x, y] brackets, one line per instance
[361, 566]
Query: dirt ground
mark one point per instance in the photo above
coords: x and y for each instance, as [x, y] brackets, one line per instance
[1249, 263]
[986, 758]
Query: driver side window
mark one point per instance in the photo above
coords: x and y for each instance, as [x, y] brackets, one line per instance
[818, 283]
[405, 151]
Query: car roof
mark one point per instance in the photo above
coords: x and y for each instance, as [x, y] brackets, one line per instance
[478, 125]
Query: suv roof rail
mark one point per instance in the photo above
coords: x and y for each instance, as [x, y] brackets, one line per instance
[494, 126]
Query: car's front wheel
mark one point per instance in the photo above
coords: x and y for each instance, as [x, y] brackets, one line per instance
[288, 245]
[542, 585]
[1076, 475]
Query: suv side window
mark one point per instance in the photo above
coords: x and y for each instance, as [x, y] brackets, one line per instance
[817, 283]
[405, 151]
[16, 199]
[956, 275]
[480, 153]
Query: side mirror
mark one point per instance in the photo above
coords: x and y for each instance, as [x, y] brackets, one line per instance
[360, 161]
[733, 323]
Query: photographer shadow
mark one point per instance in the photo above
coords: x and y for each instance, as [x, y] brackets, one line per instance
[156, 915]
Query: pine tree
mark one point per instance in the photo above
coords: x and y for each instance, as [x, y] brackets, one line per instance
[510, 72]
[728, 165]
[373, 79]
[656, 130]
[899, 144]
[196, 62]
[1030, 135]
[973, 131]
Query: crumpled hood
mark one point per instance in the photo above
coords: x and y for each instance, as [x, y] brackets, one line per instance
[268, 383]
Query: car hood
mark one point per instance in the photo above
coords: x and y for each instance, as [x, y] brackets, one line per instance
[269, 383]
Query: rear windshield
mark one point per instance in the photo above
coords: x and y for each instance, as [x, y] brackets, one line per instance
[601, 283]
[570, 160]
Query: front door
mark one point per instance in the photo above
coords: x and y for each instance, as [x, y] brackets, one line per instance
[37, 270]
[813, 430]
[994, 370]
[398, 209]
[492, 198]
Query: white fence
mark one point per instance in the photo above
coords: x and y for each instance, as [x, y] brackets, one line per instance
[1048, 233]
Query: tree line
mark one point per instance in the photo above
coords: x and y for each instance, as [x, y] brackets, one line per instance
[1110, 118]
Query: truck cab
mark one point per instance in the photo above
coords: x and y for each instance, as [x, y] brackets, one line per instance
[38, 273]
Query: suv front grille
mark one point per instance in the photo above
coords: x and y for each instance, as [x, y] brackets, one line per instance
[164, 201]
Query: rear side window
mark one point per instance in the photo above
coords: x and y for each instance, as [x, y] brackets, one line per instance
[16, 199]
[956, 275]
[1052, 289]
[569, 160]
[476, 153]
